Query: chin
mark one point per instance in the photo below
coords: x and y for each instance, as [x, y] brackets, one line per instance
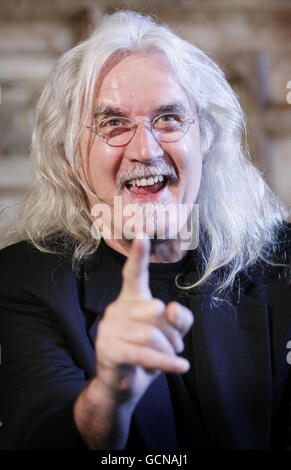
[154, 227]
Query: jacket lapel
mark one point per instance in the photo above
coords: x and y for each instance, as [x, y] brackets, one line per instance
[63, 299]
[232, 366]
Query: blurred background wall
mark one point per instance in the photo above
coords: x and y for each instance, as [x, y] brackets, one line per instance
[250, 40]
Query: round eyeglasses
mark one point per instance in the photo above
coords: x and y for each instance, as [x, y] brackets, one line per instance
[118, 131]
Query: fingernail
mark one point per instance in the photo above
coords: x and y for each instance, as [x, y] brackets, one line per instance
[185, 365]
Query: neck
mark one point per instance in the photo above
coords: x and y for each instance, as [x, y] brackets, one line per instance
[162, 251]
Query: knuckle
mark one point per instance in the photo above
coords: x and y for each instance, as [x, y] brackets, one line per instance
[114, 310]
[110, 311]
[175, 312]
[152, 336]
[139, 356]
[157, 306]
[166, 361]
[105, 334]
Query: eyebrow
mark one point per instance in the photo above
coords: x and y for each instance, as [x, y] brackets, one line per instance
[107, 111]
[174, 107]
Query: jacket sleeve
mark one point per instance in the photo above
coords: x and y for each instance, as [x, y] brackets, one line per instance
[281, 335]
[39, 380]
[287, 394]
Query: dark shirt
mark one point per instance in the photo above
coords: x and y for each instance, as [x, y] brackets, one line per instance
[189, 424]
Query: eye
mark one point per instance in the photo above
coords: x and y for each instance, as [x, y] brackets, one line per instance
[112, 128]
[170, 117]
[168, 122]
[112, 122]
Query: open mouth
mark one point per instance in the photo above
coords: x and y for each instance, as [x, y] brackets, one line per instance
[151, 184]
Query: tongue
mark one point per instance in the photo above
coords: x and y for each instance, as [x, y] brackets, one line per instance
[153, 188]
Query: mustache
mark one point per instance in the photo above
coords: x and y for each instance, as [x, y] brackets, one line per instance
[145, 171]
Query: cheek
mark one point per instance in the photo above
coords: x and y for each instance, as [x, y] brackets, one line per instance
[189, 165]
[103, 163]
[187, 157]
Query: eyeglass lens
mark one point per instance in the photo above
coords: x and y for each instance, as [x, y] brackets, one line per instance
[118, 131]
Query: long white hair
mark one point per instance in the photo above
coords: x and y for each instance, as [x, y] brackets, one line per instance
[239, 215]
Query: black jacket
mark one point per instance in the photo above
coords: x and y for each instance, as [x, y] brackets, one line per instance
[48, 321]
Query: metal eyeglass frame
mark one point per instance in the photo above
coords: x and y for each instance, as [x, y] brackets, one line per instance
[135, 126]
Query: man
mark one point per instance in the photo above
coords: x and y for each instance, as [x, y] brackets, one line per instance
[99, 348]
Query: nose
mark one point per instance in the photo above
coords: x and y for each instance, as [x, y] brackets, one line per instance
[143, 146]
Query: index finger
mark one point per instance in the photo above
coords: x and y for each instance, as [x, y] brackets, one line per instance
[136, 270]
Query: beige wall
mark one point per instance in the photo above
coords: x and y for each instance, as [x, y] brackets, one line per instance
[250, 39]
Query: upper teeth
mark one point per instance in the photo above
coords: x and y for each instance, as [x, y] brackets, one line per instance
[146, 181]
